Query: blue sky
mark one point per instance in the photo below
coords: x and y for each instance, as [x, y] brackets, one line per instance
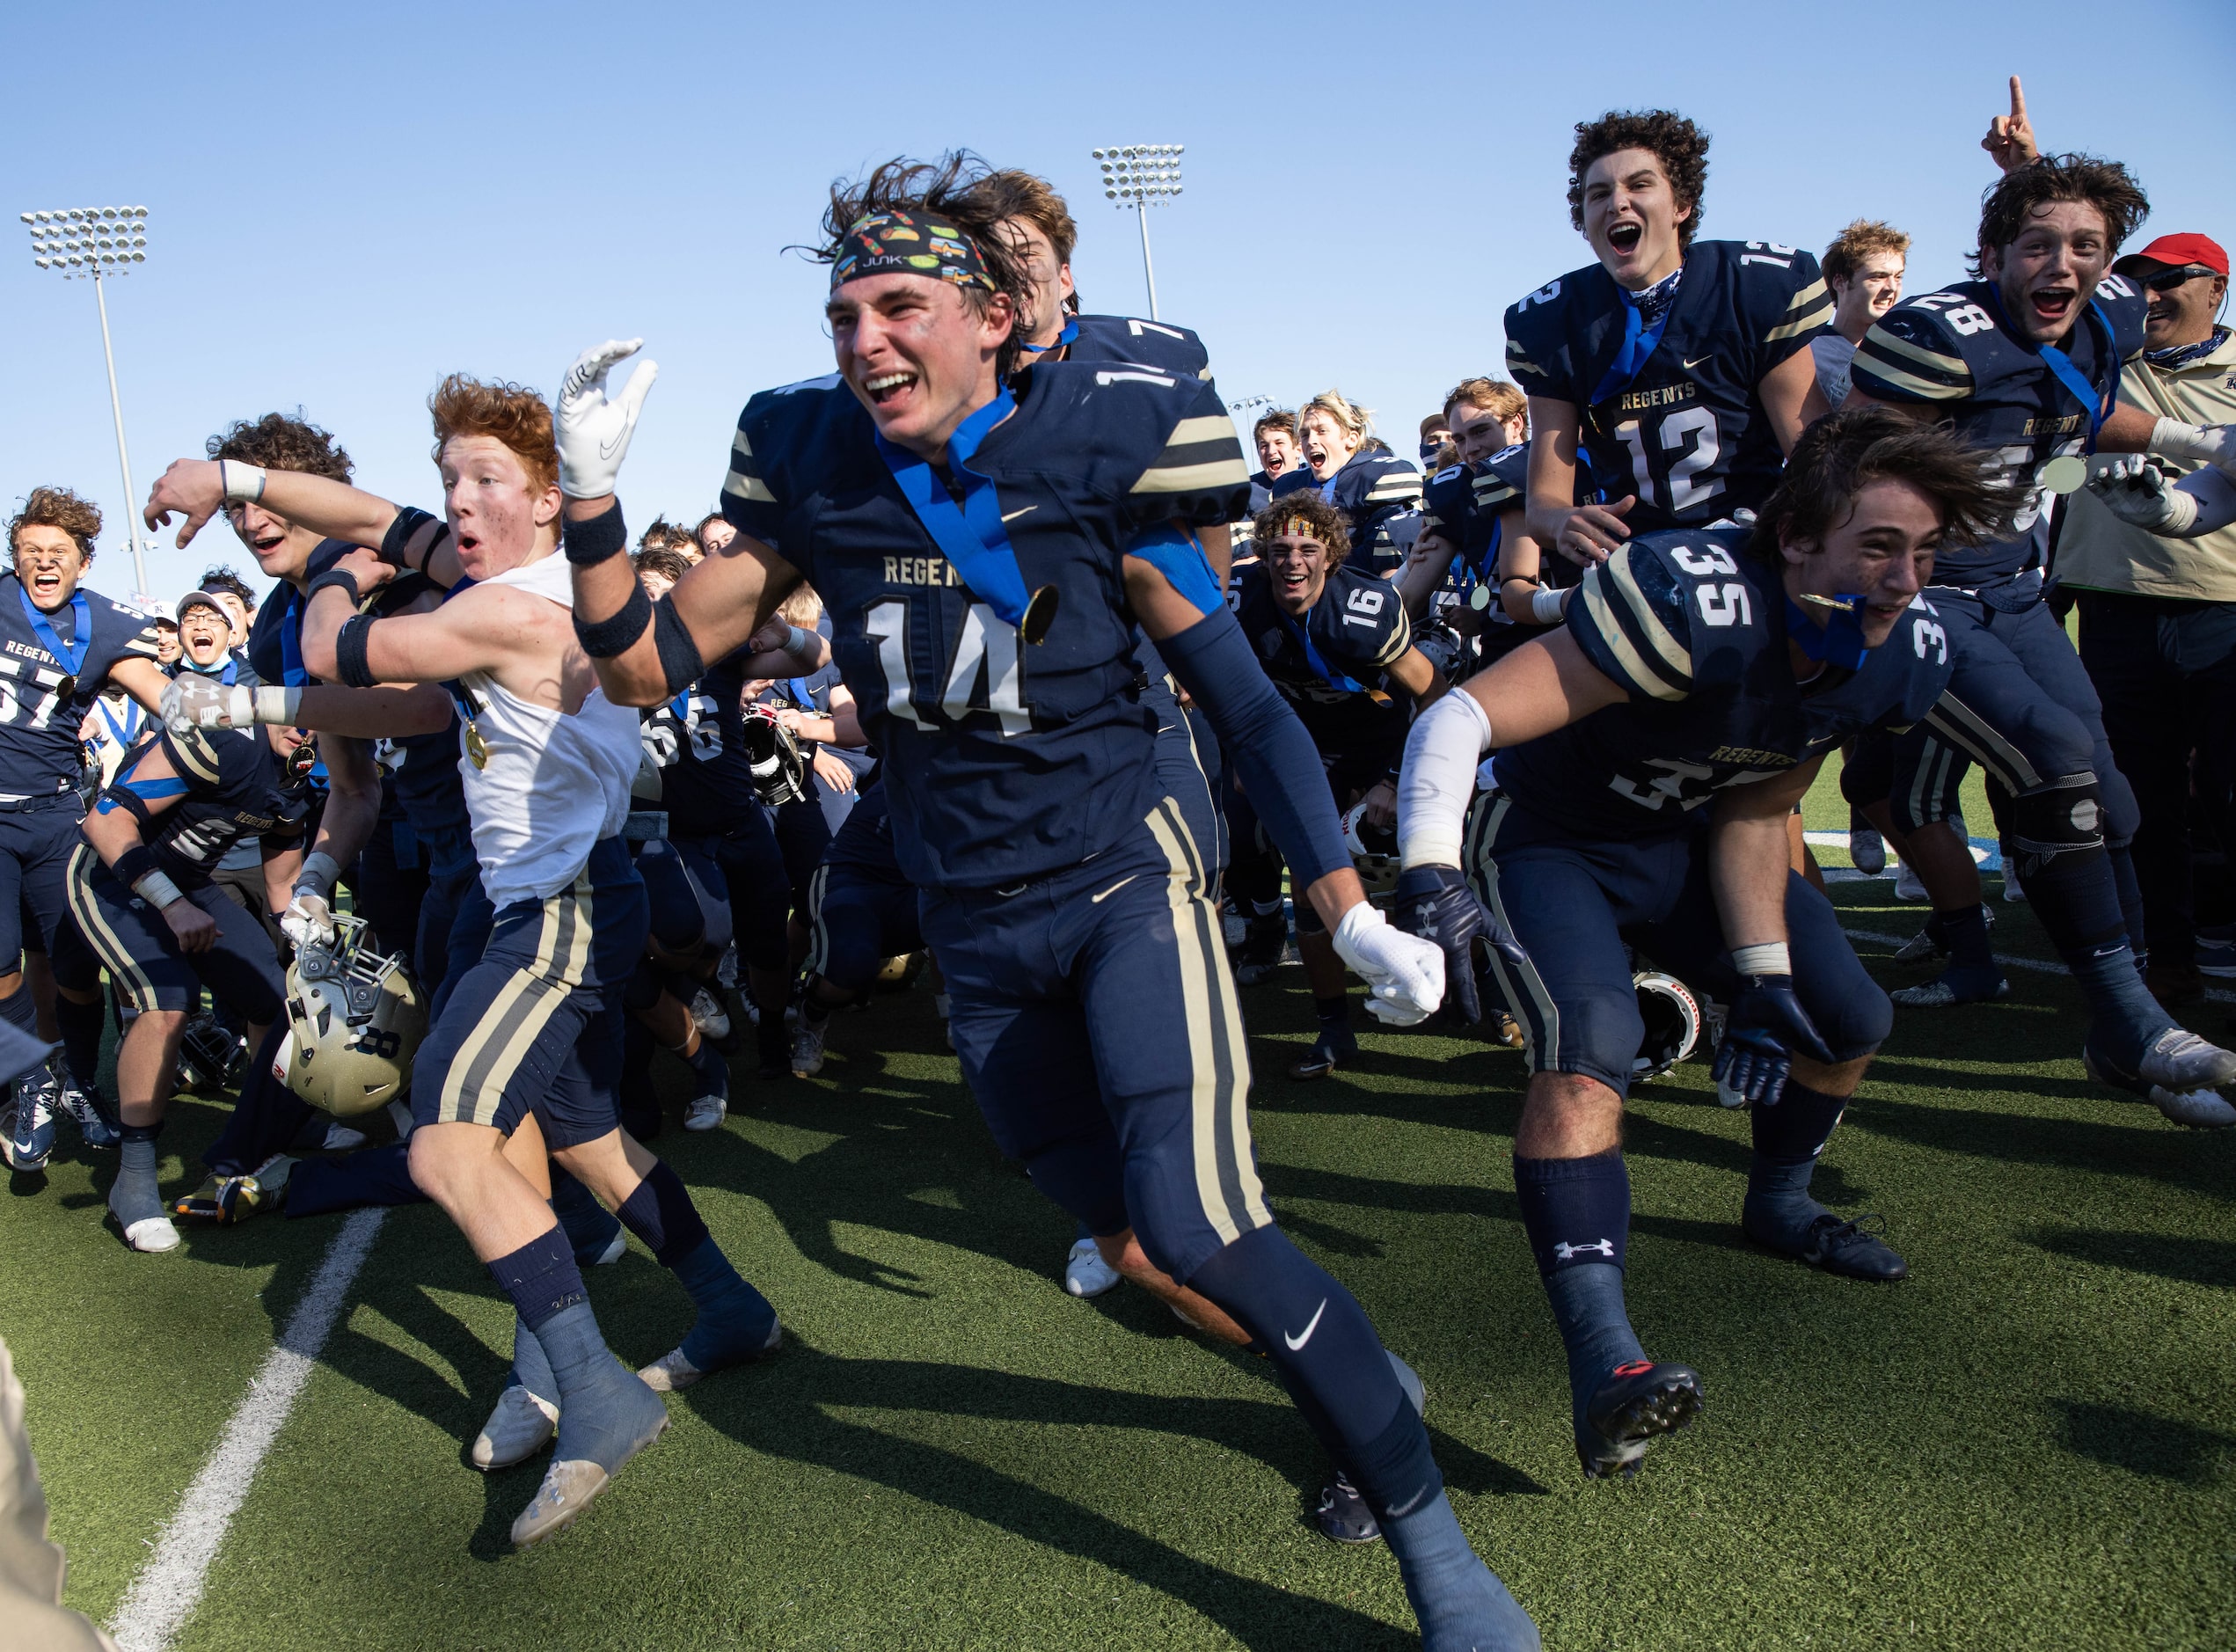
[348, 202]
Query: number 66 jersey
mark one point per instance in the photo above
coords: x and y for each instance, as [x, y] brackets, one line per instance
[1686, 433]
[1695, 629]
[1006, 760]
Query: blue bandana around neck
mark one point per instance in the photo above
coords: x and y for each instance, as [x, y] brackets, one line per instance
[2174, 356]
[1838, 641]
[70, 655]
[1642, 332]
[972, 537]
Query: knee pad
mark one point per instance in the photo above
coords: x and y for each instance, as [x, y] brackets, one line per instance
[850, 935]
[2064, 818]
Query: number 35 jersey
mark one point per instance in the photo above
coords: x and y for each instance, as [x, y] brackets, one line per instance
[1688, 435]
[1694, 630]
[1948, 355]
[40, 719]
[1004, 760]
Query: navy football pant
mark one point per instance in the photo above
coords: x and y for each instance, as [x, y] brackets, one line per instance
[1575, 906]
[857, 921]
[37, 840]
[759, 887]
[143, 957]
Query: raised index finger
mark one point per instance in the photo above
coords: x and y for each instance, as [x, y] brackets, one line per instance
[2018, 101]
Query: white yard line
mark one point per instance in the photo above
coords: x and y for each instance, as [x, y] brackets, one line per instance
[167, 1591]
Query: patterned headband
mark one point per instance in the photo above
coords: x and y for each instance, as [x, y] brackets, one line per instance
[896, 242]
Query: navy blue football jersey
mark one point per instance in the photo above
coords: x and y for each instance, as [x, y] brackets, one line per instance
[276, 635]
[1695, 630]
[236, 788]
[1004, 760]
[1687, 435]
[421, 771]
[1329, 665]
[1953, 354]
[696, 741]
[1169, 349]
[1373, 487]
[41, 707]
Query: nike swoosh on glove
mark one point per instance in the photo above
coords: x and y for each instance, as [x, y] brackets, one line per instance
[1404, 974]
[592, 430]
[1436, 904]
[1766, 1027]
[194, 701]
[308, 921]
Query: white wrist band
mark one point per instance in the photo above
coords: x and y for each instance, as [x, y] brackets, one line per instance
[156, 889]
[244, 483]
[1438, 780]
[1545, 605]
[1770, 958]
[280, 706]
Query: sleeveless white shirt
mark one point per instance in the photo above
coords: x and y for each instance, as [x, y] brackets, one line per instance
[552, 784]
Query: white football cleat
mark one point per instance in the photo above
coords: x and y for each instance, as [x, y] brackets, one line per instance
[2193, 1110]
[705, 1112]
[2010, 889]
[153, 1234]
[708, 1015]
[807, 1049]
[521, 1425]
[1086, 1274]
[1908, 887]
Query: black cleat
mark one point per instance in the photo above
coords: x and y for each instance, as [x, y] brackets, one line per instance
[1844, 1246]
[1343, 1515]
[775, 1041]
[1336, 1047]
[1264, 941]
[1640, 1398]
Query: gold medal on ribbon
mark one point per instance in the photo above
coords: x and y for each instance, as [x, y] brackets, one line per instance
[1039, 614]
[2064, 474]
[66, 687]
[1479, 599]
[477, 747]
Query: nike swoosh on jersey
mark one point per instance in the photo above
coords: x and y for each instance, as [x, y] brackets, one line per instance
[1689, 366]
[1113, 888]
[1012, 515]
[1296, 1343]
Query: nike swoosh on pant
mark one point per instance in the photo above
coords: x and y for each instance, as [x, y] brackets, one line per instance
[1113, 888]
[1296, 1343]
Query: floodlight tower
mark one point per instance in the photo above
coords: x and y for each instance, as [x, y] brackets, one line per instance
[1140, 176]
[98, 242]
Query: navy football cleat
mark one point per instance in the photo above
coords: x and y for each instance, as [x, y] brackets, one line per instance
[1336, 1047]
[1264, 941]
[1845, 1246]
[1343, 1515]
[1641, 1400]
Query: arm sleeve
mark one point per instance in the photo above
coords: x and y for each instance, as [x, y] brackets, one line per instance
[1632, 620]
[1271, 753]
[2216, 497]
[1447, 743]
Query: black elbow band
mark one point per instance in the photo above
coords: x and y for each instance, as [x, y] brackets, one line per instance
[409, 520]
[350, 652]
[134, 864]
[679, 658]
[339, 578]
[599, 539]
[602, 638]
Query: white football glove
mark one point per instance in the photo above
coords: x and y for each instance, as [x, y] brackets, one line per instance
[308, 920]
[592, 430]
[1404, 974]
[2138, 491]
[2208, 444]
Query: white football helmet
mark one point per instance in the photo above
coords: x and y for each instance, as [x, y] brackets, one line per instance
[1374, 851]
[355, 1020]
[1672, 1024]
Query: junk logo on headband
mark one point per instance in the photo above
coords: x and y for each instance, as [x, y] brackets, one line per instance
[896, 242]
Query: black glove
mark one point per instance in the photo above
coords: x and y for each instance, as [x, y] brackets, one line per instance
[1766, 1027]
[1435, 903]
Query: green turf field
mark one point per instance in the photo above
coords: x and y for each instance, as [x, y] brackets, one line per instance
[2028, 1446]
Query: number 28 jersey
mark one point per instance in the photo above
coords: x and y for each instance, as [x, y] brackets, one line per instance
[1688, 435]
[1694, 630]
[1004, 760]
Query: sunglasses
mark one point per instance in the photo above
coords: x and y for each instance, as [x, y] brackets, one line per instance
[2166, 280]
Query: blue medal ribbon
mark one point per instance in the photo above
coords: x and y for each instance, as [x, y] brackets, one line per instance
[1839, 642]
[2097, 403]
[802, 695]
[1069, 335]
[1640, 342]
[972, 537]
[1302, 633]
[70, 655]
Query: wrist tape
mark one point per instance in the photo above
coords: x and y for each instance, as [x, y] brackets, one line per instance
[244, 483]
[1770, 958]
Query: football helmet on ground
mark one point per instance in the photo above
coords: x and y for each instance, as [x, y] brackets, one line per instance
[355, 1020]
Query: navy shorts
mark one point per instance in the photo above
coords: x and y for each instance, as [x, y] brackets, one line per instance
[2019, 705]
[241, 970]
[856, 922]
[1099, 1032]
[37, 840]
[535, 1024]
[1577, 906]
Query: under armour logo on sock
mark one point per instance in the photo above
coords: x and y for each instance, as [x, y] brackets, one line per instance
[1565, 1252]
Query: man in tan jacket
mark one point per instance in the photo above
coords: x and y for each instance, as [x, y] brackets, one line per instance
[2158, 630]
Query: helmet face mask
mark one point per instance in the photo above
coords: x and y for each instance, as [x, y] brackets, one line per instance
[1374, 851]
[780, 769]
[1672, 1017]
[355, 1020]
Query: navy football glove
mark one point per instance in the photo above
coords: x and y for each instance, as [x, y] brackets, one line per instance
[1435, 903]
[1766, 1027]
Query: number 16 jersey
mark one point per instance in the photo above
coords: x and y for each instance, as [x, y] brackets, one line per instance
[1004, 760]
[1687, 435]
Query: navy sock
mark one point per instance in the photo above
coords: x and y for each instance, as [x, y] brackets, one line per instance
[2076, 897]
[606, 1412]
[532, 1367]
[1577, 1214]
[540, 1277]
[1964, 932]
[19, 1012]
[2130, 893]
[1789, 1138]
[134, 1197]
[1332, 1012]
[660, 1213]
[712, 1070]
[589, 1226]
[81, 1030]
[735, 1321]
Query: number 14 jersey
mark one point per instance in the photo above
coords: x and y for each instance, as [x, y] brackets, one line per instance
[1004, 760]
[1687, 435]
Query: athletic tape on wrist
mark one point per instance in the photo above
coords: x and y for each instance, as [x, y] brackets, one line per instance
[616, 634]
[1769, 958]
[156, 889]
[599, 539]
[1545, 605]
[350, 652]
[275, 704]
[244, 483]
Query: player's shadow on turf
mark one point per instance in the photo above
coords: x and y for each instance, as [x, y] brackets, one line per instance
[786, 1411]
[2144, 1444]
[2146, 1148]
[2195, 1261]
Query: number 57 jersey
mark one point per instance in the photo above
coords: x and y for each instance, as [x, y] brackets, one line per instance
[1006, 760]
[1695, 630]
[1686, 433]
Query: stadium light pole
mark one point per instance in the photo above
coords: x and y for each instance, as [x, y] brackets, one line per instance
[1141, 176]
[98, 242]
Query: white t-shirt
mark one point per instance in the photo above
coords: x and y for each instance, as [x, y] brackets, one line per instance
[1833, 354]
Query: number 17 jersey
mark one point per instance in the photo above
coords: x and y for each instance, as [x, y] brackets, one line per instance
[1004, 760]
[1687, 434]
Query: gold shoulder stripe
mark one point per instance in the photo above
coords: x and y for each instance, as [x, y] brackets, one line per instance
[1618, 569]
[1808, 322]
[1202, 428]
[1879, 341]
[1924, 388]
[1400, 639]
[1807, 295]
[742, 487]
[196, 756]
[739, 446]
[1187, 478]
[1642, 677]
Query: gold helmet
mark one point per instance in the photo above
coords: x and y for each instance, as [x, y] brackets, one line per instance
[355, 1020]
[1374, 851]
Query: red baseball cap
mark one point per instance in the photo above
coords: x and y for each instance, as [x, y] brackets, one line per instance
[2174, 250]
